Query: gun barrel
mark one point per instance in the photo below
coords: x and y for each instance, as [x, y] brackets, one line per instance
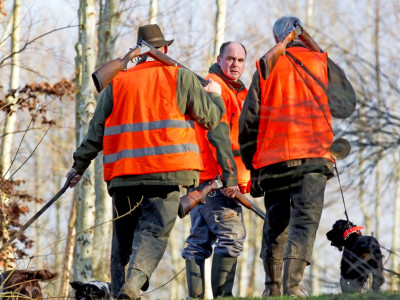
[158, 55]
[257, 210]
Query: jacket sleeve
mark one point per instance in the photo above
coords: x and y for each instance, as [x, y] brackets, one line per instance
[249, 121]
[222, 152]
[206, 110]
[92, 143]
[341, 95]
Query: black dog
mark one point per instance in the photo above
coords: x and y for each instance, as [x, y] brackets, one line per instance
[361, 256]
[92, 290]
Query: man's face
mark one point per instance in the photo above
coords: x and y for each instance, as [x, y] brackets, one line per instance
[232, 61]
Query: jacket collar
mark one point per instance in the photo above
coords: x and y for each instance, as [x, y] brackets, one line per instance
[232, 84]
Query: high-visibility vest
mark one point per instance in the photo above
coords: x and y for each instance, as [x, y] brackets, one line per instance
[146, 133]
[233, 101]
[293, 123]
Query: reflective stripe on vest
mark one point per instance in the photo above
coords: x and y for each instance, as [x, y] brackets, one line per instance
[293, 124]
[146, 133]
[147, 126]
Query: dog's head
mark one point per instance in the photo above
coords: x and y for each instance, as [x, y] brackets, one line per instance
[340, 230]
[92, 290]
[25, 282]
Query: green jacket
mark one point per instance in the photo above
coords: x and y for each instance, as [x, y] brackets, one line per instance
[219, 137]
[206, 110]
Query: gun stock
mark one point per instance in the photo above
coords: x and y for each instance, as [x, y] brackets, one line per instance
[189, 201]
[103, 75]
[268, 61]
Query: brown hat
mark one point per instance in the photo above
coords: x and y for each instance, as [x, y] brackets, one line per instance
[152, 34]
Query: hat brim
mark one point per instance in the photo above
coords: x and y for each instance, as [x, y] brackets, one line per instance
[158, 44]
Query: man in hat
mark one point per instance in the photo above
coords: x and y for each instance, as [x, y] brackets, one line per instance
[219, 221]
[285, 134]
[144, 123]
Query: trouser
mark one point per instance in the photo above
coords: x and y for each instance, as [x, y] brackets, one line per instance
[293, 211]
[219, 221]
[140, 234]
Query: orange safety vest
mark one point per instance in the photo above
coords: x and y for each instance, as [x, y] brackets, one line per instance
[146, 133]
[233, 101]
[293, 124]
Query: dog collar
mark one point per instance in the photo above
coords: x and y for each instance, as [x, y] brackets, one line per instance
[352, 230]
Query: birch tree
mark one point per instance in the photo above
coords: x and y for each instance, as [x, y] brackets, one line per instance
[10, 121]
[85, 105]
[107, 35]
[378, 211]
[394, 284]
[153, 14]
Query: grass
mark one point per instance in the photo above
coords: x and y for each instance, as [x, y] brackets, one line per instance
[359, 296]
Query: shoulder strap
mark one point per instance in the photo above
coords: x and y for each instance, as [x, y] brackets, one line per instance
[292, 58]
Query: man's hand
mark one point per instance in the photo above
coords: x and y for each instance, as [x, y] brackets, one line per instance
[74, 181]
[213, 87]
[230, 191]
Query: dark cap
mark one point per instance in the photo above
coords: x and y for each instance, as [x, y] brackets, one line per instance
[152, 34]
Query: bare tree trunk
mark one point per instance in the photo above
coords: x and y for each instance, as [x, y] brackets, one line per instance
[309, 13]
[243, 274]
[256, 262]
[38, 194]
[378, 186]
[220, 20]
[395, 283]
[177, 264]
[314, 272]
[153, 15]
[107, 34]
[220, 26]
[9, 126]
[69, 251]
[363, 119]
[85, 105]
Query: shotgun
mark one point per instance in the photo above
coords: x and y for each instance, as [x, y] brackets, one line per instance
[195, 197]
[306, 38]
[38, 214]
[104, 74]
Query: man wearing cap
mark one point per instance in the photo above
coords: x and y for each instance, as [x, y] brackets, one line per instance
[219, 222]
[144, 123]
[285, 134]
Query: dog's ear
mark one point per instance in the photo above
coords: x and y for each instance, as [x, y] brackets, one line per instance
[76, 285]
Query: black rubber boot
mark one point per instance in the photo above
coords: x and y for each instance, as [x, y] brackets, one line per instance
[273, 279]
[132, 286]
[293, 270]
[223, 275]
[195, 277]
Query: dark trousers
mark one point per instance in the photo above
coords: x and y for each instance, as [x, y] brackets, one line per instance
[140, 235]
[293, 211]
